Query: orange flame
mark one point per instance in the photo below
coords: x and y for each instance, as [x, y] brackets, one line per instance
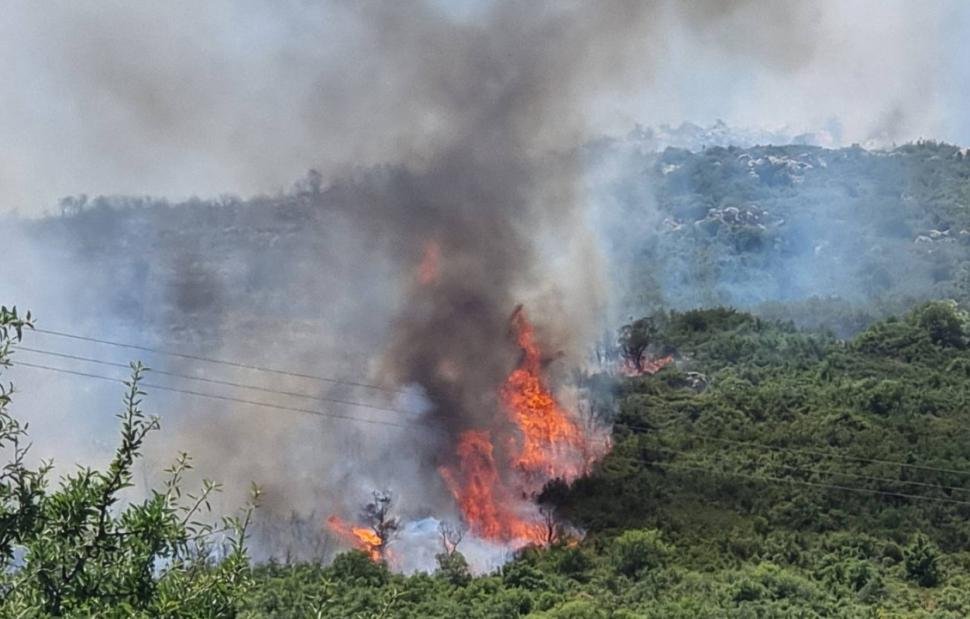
[648, 367]
[360, 538]
[551, 440]
[551, 445]
[480, 495]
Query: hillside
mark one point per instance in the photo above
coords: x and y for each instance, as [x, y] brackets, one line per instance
[832, 238]
[764, 472]
[803, 477]
[801, 455]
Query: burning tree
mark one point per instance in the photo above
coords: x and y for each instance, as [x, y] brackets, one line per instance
[377, 531]
[636, 338]
[491, 479]
[377, 514]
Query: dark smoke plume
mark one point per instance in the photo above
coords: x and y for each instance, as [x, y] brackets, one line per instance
[502, 180]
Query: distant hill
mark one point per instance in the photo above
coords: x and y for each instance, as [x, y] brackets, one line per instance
[785, 230]
[831, 238]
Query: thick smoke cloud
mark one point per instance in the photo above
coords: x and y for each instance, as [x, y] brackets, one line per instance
[184, 98]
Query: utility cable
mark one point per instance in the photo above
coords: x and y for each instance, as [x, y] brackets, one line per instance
[235, 364]
[214, 381]
[222, 398]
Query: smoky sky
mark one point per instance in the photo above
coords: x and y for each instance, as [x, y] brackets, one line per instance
[183, 98]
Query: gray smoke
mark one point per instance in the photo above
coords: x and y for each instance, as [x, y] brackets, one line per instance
[179, 98]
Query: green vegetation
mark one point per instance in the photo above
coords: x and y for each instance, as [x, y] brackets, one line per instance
[80, 550]
[767, 472]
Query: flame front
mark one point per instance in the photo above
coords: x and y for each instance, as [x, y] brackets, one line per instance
[480, 494]
[648, 366]
[360, 538]
[548, 444]
[552, 442]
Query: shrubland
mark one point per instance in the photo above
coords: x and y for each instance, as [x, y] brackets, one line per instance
[766, 472]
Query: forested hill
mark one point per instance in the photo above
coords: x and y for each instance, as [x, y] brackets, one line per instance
[830, 238]
[766, 473]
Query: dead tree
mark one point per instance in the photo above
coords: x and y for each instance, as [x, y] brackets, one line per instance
[377, 514]
[451, 536]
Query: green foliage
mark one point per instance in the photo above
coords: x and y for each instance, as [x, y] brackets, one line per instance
[637, 551]
[453, 567]
[80, 550]
[922, 561]
[943, 322]
[355, 567]
[766, 473]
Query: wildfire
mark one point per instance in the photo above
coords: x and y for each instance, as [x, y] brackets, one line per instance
[360, 538]
[550, 437]
[550, 445]
[480, 494]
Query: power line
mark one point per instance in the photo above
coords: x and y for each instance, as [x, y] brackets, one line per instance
[307, 411]
[216, 381]
[828, 454]
[235, 364]
[886, 480]
[815, 452]
[915, 497]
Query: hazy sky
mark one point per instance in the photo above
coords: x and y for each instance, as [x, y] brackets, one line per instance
[179, 98]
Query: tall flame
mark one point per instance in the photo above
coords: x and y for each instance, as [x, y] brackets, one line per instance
[480, 494]
[548, 444]
[551, 440]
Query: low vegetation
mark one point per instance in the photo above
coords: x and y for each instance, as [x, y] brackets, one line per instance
[765, 472]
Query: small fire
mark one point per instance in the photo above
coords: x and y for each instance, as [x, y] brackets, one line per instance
[550, 437]
[648, 366]
[360, 538]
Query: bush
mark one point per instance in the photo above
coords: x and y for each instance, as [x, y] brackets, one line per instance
[922, 560]
[76, 550]
[356, 567]
[640, 550]
[943, 322]
[453, 567]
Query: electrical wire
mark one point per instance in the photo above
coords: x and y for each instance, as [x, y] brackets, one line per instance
[814, 452]
[222, 398]
[886, 480]
[215, 381]
[615, 457]
[226, 362]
